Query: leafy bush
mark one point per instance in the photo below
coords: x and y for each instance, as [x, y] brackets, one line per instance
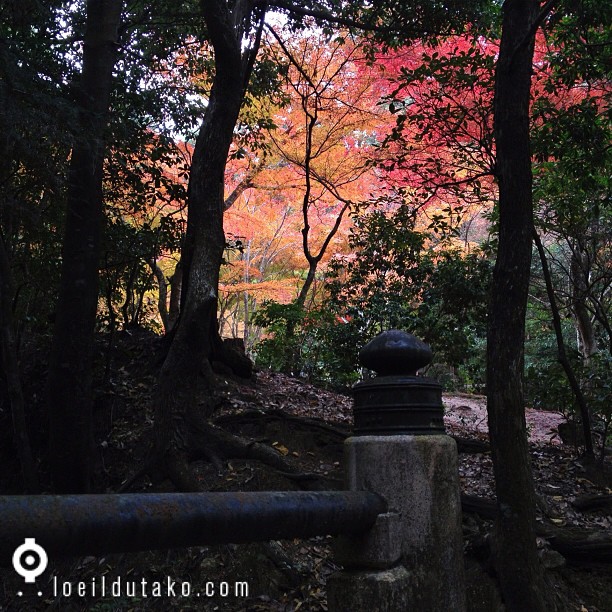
[284, 324]
[306, 344]
[394, 279]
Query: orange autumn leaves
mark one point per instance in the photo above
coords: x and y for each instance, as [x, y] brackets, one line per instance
[313, 170]
[318, 154]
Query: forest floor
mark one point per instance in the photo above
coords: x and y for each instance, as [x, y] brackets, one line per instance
[308, 425]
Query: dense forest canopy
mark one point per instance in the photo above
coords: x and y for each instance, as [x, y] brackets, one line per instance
[301, 176]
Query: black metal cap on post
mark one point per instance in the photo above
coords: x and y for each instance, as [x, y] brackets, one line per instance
[397, 401]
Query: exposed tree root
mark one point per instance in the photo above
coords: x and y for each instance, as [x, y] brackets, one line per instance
[471, 446]
[144, 470]
[576, 545]
[259, 416]
[464, 445]
[486, 508]
[593, 502]
[217, 446]
[230, 446]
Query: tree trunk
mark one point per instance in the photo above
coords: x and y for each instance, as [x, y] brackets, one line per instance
[176, 284]
[517, 563]
[162, 300]
[587, 341]
[179, 420]
[10, 367]
[310, 277]
[562, 353]
[68, 392]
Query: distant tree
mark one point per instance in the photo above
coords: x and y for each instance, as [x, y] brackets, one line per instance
[395, 276]
[572, 190]
[562, 352]
[325, 135]
[441, 95]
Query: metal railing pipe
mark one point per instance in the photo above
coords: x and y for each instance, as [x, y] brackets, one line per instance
[99, 524]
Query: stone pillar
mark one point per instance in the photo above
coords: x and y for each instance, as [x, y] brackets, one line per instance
[413, 557]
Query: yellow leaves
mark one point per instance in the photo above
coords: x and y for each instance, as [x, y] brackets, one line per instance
[283, 450]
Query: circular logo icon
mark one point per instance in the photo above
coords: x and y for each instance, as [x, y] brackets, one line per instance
[30, 560]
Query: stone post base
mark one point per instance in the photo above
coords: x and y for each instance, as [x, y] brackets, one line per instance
[384, 591]
[418, 477]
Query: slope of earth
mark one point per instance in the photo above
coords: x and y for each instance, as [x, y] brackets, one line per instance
[306, 425]
[560, 474]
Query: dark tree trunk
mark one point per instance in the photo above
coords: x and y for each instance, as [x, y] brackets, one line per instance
[579, 287]
[179, 420]
[308, 282]
[68, 392]
[562, 353]
[129, 306]
[10, 368]
[517, 564]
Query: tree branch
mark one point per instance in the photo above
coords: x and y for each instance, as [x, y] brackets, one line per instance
[326, 16]
[561, 352]
[245, 183]
[543, 14]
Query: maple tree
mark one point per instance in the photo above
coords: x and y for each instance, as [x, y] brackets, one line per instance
[396, 276]
[325, 134]
[295, 190]
[146, 91]
[292, 184]
[263, 267]
[442, 142]
[314, 169]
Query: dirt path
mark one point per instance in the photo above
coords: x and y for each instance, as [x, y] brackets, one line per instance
[464, 414]
[469, 413]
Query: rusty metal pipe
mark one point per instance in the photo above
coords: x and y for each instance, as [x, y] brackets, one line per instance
[98, 524]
